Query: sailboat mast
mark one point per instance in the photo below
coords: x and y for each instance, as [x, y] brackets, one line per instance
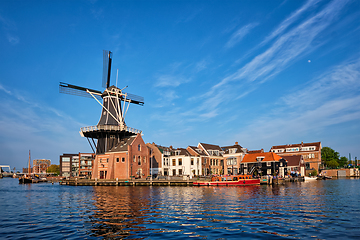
[29, 163]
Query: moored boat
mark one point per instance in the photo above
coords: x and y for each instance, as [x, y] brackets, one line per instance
[309, 178]
[237, 180]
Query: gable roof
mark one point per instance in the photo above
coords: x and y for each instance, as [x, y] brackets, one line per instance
[268, 157]
[210, 146]
[123, 144]
[238, 148]
[183, 152]
[194, 151]
[294, 160]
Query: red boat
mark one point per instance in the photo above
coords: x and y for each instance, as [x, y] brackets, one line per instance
[238, 180]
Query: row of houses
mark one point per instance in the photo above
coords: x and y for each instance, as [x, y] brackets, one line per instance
[132, 158]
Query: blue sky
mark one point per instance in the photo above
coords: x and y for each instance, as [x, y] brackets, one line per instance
[261, 73]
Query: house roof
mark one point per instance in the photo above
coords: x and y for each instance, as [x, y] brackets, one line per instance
[238, 148]
[268, 157]
[123, 144]
[294, 160]
[183, 152]
[256, 151]
[196, 150]
[316, 144]
[211, 147]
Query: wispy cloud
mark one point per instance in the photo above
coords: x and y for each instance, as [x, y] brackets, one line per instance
[287, 48]
[324, 101]
[9, 27]
[239, 35]
[36, 126]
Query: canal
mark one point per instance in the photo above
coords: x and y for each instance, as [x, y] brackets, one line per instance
[320, 210]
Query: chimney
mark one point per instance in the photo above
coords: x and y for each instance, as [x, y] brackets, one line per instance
[302, 144]
[236, 143]
[262, 150]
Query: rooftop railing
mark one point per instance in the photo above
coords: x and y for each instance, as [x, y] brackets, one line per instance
[110, 128]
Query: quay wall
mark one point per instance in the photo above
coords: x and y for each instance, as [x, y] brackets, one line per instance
[343, 172]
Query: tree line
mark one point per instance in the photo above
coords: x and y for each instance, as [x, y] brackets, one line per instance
[332, 159]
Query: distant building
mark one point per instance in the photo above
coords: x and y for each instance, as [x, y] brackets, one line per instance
[310, 152]
[159, 159]
[233, 155]
[129, 158]
[267, 163]
[40, 165]
[200, 155]
[295, 163]
[215, 155]
[76, 165]
[85, 164]
[182, 163]
[67, 160]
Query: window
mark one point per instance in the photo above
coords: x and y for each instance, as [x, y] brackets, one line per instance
[123, 159]
[144, 159]
[139, 160]
[180, 171]
[180, 161]
[268, 164]
[192, 161]
[107, 160]
[100, 160]
[117, 159]
[139, 147]
[174, 162]
[174, 172]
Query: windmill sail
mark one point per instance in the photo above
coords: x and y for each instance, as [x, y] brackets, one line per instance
[107, 59]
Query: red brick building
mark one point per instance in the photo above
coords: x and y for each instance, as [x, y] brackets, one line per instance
[129, 158]
[310, 152]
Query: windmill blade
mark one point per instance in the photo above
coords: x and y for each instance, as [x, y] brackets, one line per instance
[134, 99]
[107, 59]
[78, 91]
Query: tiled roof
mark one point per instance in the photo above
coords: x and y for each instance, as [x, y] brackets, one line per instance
[294, 160]
[183, 152]
[123, 144]
[196, 150]
[211, 146]
[268, 157]
[316, 144]
[237, 146]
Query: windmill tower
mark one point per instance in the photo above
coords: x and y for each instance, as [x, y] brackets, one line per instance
[111, 128]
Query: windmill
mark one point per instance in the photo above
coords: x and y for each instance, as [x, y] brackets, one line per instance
[111, 128]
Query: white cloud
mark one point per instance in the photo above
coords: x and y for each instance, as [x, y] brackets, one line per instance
[239, 35]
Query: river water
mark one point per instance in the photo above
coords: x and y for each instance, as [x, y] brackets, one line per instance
[320, 210]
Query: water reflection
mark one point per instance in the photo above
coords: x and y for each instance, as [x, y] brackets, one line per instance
[295, 210]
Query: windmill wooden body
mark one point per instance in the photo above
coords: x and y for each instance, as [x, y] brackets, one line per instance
[111, 128]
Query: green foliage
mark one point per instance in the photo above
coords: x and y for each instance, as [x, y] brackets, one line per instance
[332, 164]
[313, 173]
[53, 169]
[331, 158]
[343, 161]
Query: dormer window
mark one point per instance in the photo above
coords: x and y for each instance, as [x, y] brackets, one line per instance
[259, 159]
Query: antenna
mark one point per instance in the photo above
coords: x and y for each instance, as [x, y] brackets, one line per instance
[117, 74]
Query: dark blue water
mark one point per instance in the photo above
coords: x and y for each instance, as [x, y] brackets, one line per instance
[319, 210]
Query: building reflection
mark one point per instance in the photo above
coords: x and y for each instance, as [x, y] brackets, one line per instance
[120, 211]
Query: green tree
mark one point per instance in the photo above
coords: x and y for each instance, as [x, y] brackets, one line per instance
[328, 155]
[343, 161]
[332, 164]
[54, 169]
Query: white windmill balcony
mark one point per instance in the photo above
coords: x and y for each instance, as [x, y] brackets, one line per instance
[108, 128]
